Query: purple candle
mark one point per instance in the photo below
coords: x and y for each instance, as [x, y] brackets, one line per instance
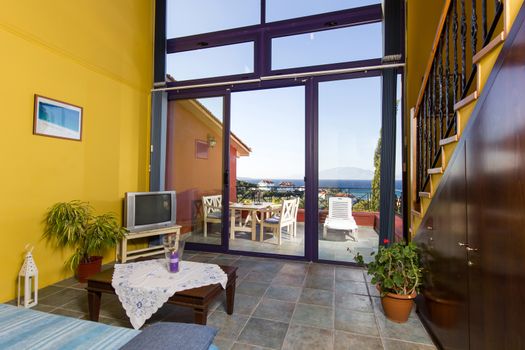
[174, 261]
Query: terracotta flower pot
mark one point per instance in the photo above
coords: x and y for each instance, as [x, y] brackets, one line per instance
[443, 312]
[397, 307]
[86, 269]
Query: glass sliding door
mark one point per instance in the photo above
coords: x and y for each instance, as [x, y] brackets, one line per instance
[267, 163]
[349, 159]
[398, 188]
[194, 165]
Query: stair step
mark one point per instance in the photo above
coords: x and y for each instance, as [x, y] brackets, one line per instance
[435, 171]
[425, 194]
[448, 140]
[491, 46]
[470, 98]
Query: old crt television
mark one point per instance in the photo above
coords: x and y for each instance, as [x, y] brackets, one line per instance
[149, 210]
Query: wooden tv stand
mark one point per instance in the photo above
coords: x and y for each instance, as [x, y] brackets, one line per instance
[123, 254]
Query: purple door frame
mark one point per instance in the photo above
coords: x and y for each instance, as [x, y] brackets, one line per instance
[262, 35]
[311, 155]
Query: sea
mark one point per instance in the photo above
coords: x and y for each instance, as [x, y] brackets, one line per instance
[359, 188]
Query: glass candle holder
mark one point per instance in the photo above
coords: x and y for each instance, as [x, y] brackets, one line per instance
[173, 249]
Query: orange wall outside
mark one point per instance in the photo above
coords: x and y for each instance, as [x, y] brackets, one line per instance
[193, 178]
[233, 175]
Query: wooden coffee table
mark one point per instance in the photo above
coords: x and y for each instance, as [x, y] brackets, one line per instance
[198, 299]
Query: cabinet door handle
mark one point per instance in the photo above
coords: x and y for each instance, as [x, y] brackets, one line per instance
[471, 249]
[461, 244]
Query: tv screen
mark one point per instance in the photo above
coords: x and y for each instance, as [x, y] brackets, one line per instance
[152, 208]
[149, 210]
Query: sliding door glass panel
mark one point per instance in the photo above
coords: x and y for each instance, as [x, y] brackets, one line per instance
[267, 161]
[398, 205]
[204, 63]
[194, 166]
[186, 17]
[277, 10]
[327, 46]
[349, 144]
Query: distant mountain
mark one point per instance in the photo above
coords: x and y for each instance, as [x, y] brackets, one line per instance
[346, 173]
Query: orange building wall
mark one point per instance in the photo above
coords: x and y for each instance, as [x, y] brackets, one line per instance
[193, 178]
[190, 177]
[233, 174]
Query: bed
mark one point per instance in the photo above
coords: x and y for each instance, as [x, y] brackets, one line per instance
[29, 329]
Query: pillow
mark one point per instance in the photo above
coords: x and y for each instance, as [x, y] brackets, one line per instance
[171, 335]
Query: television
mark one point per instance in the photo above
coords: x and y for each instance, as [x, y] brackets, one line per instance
[149, 210]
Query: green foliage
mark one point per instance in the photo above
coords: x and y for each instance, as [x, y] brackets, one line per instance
[395, 268]
[247, 193]
[374, 198]
[245, 184]
[362, 205]
[73, 225]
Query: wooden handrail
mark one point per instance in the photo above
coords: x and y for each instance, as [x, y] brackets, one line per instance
[413, 152]
[435, 45]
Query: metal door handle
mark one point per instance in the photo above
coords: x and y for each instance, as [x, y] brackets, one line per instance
[461, 244]
[472, 249]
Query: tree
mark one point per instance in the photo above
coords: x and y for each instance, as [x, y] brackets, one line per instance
[374, 197]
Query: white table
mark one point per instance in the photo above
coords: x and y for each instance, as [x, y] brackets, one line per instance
[252, 209]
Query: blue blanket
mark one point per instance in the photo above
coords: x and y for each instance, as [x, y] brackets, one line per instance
[28, 329]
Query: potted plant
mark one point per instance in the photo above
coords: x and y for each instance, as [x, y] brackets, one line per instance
[397, 275]
[73, 225]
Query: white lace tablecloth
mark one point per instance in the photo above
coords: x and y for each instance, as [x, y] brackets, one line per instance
[143, 287]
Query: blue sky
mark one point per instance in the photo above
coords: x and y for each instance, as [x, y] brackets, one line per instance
[271, 122]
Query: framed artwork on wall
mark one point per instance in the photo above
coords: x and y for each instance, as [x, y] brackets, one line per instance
[57, 119]
[201, 149]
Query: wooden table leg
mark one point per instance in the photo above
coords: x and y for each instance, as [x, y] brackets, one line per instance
[232, 224]
[230, 295]
[94, 305]
[123, 251]
[201, 315]
[254, 225]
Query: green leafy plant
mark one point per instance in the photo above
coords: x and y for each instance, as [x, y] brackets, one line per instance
[395, 268]
[73, 225]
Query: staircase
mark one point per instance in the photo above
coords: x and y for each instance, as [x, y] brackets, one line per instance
[457, 71]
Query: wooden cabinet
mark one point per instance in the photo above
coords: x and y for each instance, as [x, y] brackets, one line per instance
[443, 304]
[474, 294]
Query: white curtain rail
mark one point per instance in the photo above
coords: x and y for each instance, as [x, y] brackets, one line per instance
[284, 76]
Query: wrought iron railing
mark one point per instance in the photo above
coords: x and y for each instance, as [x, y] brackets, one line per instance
[449, 76]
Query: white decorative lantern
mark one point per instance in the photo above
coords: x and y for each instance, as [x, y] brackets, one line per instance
[30, 274]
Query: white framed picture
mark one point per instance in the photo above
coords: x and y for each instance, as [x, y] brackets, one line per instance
[57, 119]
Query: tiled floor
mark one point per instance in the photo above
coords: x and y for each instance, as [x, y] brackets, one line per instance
[278, 305]
[335, 246]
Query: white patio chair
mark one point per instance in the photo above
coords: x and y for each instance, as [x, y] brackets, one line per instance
[212, 211]
[296, 210]
[340, 216]
[284, 217]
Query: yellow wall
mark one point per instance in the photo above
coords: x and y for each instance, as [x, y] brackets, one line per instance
[422, 19]
[92, 53]
[421, 25]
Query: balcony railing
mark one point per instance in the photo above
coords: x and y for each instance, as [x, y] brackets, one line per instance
[360, 195]
[465, 28]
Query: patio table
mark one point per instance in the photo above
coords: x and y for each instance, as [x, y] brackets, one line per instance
[252, 210]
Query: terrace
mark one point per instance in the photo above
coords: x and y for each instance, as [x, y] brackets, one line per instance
[337, 245]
